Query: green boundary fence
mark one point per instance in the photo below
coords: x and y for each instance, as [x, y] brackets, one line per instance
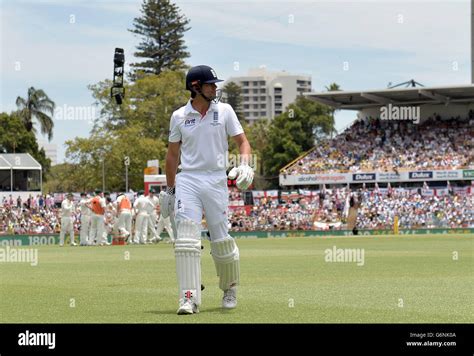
[53, 239]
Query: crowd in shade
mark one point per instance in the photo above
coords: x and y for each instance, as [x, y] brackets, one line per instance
[372, 144]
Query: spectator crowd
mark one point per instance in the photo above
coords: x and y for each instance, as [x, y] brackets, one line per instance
[326, 209]
[371, 145]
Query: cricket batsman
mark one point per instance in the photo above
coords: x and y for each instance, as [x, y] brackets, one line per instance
[198, 138]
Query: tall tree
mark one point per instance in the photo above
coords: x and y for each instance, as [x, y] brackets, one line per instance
[39, 106]
[257, 134]
[149, 103]
[15, 138]
[66, 177]
[105, 151]
[161, 28]
[232, 94]
[333, 87]
[294, 132]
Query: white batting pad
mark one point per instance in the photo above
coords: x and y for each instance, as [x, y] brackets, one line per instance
[188, 260]
[226, 258]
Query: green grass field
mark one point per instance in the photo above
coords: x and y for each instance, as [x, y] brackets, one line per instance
[283, 281]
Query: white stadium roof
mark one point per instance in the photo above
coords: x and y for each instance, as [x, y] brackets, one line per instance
[18, 161]
[358, 100]
[4, 163]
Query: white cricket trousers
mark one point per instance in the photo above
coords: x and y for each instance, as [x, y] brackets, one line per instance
[67, 227]
[165, 224]
[203, 191]
[125, 222]
[85, 227]
[141, 225]
[97, 230]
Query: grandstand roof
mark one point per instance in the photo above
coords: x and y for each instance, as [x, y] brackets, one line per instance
[357, 100]
[4, 163]
[18, 161]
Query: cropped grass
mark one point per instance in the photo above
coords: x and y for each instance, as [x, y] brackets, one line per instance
[404, 279]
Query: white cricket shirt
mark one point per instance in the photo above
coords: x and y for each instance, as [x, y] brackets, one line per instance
[85, 211]
[204, 139]
[66, 208]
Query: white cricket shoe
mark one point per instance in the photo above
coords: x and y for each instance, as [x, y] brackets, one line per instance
[124, 233]
[187, 306]
[229, 301]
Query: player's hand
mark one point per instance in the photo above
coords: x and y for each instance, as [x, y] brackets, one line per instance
[167, 202]
[244, 174]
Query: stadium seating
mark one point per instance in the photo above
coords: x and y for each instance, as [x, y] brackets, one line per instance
[377, 145]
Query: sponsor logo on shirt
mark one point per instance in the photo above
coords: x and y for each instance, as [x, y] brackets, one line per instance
[189, 122]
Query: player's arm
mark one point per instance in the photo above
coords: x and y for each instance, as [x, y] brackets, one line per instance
[135, 206]
[116, 205]
[172, 158]
[167, 197]
[244, 148]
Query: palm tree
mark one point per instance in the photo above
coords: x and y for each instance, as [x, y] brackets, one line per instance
[333, 87]
[37, 105]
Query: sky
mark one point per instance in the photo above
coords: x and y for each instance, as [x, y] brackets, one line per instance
[64, 46]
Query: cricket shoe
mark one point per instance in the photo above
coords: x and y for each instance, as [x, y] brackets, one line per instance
[229, 301]
[187, 306]
[124, 233]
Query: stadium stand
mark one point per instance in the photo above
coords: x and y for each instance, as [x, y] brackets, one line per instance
[375, 145]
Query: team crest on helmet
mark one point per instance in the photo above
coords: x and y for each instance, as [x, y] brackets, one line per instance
[213, 73]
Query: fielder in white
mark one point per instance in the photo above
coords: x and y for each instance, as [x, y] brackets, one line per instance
[97, 205]
[124, 211]
[110, 218]
[198, 136]
[67, 220]
[154, 202]
[165, 223]
[141, 205]
[86, 214]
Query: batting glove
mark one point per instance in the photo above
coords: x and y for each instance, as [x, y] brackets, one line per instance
[167, 202]
[244, 174]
